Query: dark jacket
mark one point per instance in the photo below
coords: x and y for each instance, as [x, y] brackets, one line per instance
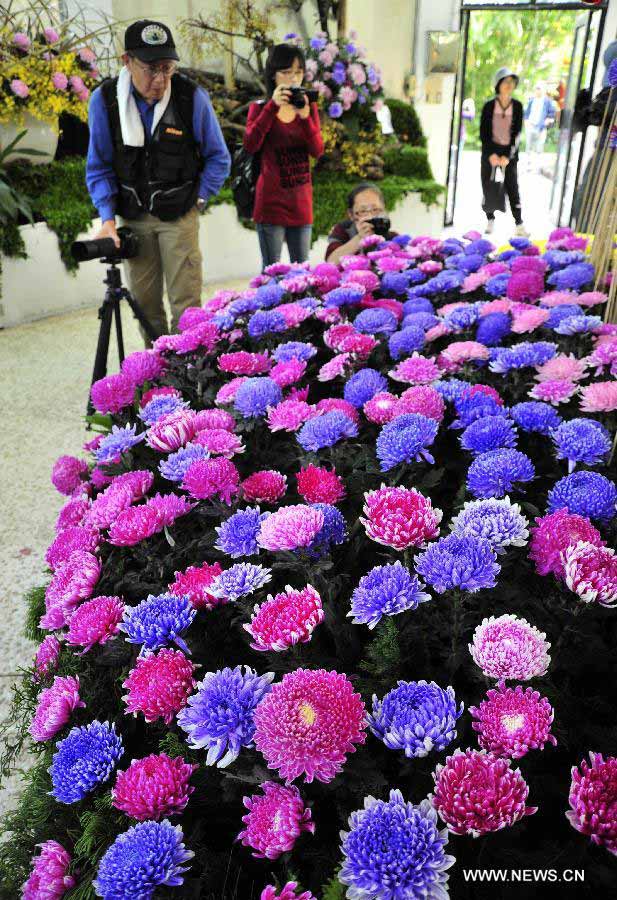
[486, 129]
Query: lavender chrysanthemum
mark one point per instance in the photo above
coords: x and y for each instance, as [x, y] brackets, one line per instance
[161, 406]
[255, 395]
[408, 340]
[581, 441]
[326, 430]
[363, 386]
[395, 849]
[471, 407]
[493, 328]
[240, 580]
[462, 317]
[467, 563]
[219, 716]
[578, 324]
[265, 322]
[332, 533]
[499, 521]
[177, 464]
[294, 350]
[416, 717]
[84, 759]
[572, 278]
[489, 433]
[158, 621]
[585, 494]
[535, 416]
[405, 440]
[237, 535]
[494, 474]
[521, 356]
[147, 855]
[375, 321]
[385, 591]
[116, 443]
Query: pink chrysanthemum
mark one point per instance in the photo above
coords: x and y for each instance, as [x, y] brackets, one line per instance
[288, 372]
[604, 354]
[422, 399]
[289, 415]
[108, 505]
[554, 392]
[329, 404]
[459, 352]
[474, 281]
[290, 528]
[275, 820]
[112, 393]
[553, 534]
[72, 513]
[206, 335]
[158, 392]
[286, 619]
[49, 879]
[194, 583]
[359, 345]
[366, 279]
[68, 474]
[591, 298]
[494, 268]
[214, 418]
[557, 298]
[477, 793]
[317, 484]
[591, 572]
[68, 541]
[153, 787]
[436, 332]
[487, 390]
[244, 363]
[334, 367]
[266, 486]
[142, 365]
[133, 525]
[169, 507]
[159, 685]
[501, 305]
[219, 442]
[54, 707]
[400, 517]
[525, 320]
[599, 397]
[381, 408]
[208, 478]
[450, 307]
[72, 582]
[510, 648]
[430, 267]
[593, 800]
[172, 431]
[139, 482]
[334, 335]
[562, 367]
[416, 369]
[288, 892]
[95, 622]
[46, 658]
[293, 313]
[227, 393]
[525, 285]
[308, 723]
[513, 721]
[193, 316]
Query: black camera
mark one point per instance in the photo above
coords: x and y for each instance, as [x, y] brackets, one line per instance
[381, 225]
[104, 248]
[298, 94]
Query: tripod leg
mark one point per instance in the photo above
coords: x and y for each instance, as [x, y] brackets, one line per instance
[139, 315]
[119, 338]
[102, 347]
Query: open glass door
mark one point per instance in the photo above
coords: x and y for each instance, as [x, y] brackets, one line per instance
[455, 127]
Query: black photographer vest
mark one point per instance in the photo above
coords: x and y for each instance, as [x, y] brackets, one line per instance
[162, 177]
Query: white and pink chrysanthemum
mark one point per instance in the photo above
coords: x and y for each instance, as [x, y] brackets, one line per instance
[49, 879]
[288, 618]
[381, 408]
[275, 820]
[334, 367]
[513, 721]
[71, 583]
[54, 708]
[593, 800]
[172, 431]
[194, 583]
[400, 517]
[508, 647]
[591, 572]
[599, 397]
[308, 723]
[553, 534]
[563, 367]
[290, 528]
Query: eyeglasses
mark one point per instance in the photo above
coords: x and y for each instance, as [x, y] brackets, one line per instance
[368, 210]
[165, 69]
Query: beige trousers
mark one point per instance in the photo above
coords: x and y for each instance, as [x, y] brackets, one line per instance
[168, 255]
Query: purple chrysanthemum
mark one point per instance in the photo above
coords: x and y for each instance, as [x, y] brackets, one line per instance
[581, 441]
[116, 443]
[489, 433]
[535, 416]
[332, 533]
[326, 430]
[237, 535]
[467, 563]
[84, 759]
[408, 340]
[294, 350]
[255, 395]
[177, 464]
[416, 717]
[157, 621]
[385, 591]
[585, 494]
[266, 321]
[499, 521]
[375, 321]
[405, 440]
[362, 386]
[161, 406]
[574, 277]
[240, 580]
[493, 328]
[494, 474]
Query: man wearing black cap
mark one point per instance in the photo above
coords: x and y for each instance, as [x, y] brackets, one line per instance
[156, 156]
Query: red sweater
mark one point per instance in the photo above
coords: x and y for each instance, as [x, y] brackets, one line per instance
[284, 193]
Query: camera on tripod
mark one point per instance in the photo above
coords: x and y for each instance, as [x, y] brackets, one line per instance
[104, 248]
[298, 94]
[381, 225]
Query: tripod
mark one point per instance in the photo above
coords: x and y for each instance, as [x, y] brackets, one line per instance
[110, 308]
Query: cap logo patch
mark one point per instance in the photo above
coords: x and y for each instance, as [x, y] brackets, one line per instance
[154, 35]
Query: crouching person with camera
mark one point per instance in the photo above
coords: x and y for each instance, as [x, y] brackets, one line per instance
[366, 211]
[156, 155]
[284, 131]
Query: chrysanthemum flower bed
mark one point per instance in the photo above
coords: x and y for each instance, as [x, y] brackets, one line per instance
[330, 610]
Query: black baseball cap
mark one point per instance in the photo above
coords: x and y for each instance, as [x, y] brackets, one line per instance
[148, 41]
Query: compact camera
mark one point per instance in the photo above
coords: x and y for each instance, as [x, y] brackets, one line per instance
[298, 94]
[381, 225]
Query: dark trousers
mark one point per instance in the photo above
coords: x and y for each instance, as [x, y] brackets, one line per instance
[271, 238]
[511, 186]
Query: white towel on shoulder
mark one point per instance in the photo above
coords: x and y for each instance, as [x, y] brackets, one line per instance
[130, 120]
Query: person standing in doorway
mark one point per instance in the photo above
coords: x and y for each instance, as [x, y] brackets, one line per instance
[285, 135]
[500, 130]
[539, 115]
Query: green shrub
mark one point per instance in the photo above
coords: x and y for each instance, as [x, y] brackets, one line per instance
[409, 161]
[406, 122]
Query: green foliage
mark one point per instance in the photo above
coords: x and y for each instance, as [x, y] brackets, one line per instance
[333, 890]
[35, 607]
[405, 121]
[411, 162]
[382, 659]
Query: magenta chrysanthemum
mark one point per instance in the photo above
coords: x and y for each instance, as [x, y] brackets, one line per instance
[49, 879]
[422, 399]
[46, 658]
[169, 507]
[153, 787]
[286, 619]
[219, 442]
[214, 418]
[68, 541]
[194, 583]
[72, 513]
[593, 800]
[95, 622]
[112, 393]
[380, 409]
[553, 534]
[290, 528]
[159, 685]
[308, 723]
[133, 525]
[591, 572]
[68, 474]
[54, 707]
[510, 648]
[266, 486]
[288, 372]
[400, 517]
[320, 485]
[513, 721]
[416, 369]
[73, 581]
[209, 478]
[288, 892]
[289, 415]
[477, 793]
[275, 820]
[244, 363]
[142, 365]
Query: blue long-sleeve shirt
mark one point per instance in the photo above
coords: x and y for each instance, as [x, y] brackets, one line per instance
[100, 176]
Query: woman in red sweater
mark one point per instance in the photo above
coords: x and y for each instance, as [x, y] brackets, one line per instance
[284, 136]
